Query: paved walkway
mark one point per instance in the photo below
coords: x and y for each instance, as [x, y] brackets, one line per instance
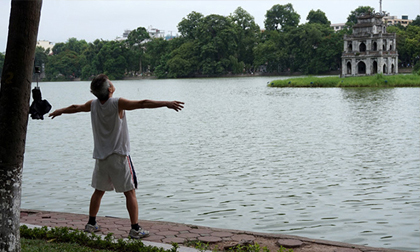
[166, 233]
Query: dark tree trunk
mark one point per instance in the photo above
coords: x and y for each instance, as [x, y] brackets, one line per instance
[15, 93]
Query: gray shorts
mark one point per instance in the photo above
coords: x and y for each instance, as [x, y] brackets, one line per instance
[114, 172]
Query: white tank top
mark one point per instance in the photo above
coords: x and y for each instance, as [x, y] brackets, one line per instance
[110, 132]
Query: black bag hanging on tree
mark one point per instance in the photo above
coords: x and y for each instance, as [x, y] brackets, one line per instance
[38, 107]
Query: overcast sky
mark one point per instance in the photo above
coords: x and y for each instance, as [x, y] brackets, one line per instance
[107, 19]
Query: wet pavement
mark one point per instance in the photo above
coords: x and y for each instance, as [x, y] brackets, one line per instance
[165, 233]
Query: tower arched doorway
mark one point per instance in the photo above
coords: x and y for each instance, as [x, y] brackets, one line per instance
[350, 46]
[348, 68]
[375, 67]
[361, 68]
[375, 46]
[362, 47]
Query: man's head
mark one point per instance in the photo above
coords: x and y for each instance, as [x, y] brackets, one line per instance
[100, 87]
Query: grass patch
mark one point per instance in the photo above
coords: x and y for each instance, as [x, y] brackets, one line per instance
[29, 245]
[379, 80]
[68, 239]
[72, 240]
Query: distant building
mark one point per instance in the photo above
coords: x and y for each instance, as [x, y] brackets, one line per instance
[45, 44]
[393, 20]
[125, 33]
[124, 36]
[153, 33]
[338, 27]
[370, 49]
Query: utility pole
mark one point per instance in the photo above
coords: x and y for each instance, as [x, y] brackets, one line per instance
[380, 6]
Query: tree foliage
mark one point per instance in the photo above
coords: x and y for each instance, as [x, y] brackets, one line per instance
[318, 17]
[214, 45]
[416, 21]
[41, 56]
[247, 37]
[352, 18]
[408, 43]
[188, 27]
[281, 18]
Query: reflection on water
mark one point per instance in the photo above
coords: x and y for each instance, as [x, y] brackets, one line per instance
[336, 164]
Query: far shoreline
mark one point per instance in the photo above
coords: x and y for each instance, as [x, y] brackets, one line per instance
[402, 71]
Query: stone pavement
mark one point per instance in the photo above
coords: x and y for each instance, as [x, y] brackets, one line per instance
[169, 232]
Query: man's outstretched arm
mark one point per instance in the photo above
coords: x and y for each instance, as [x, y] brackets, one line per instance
[71, 109]
[124, 104]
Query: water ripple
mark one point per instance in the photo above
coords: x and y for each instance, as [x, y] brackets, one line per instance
[336, 164]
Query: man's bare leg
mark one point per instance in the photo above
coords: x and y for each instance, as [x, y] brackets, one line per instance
[136, 231]
[95, 202]
[132, 206]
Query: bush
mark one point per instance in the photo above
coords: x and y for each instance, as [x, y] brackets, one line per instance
[69, 235]
[416, 69]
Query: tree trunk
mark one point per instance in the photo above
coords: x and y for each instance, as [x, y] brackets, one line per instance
[15, 93]
[141, 68]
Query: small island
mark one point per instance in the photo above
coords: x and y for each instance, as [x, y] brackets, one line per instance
[369, 59]
[378, 80]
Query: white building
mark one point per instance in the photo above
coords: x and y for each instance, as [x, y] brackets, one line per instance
[45, 44]
[338, 27]
[155, 33]
[393, 20]
[124, 36]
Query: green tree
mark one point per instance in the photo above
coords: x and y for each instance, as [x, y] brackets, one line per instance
[408, 44]
[58, 48]
[89, 69]
[318, 17]
[416, 21]
[403, 57]
[67, 65]
[162, 69]
[15, 96]
[72, 44]
[188, 27]
[183, 61]
[41, 56]
[78, 46]
[155, 49]
[281, 18]
[352, 18]
[217, 42]
[135, 41]
[247, 34]
[115, 67]
[67, 61]
[111, 59]
[312, 48]
[271, 52]
[93, 66]
[412, 44]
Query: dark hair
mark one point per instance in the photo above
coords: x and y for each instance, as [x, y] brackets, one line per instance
[99, 87]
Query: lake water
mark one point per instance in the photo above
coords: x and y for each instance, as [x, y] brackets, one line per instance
[326, 163]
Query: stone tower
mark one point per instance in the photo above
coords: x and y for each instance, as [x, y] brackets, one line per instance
[370, 49]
